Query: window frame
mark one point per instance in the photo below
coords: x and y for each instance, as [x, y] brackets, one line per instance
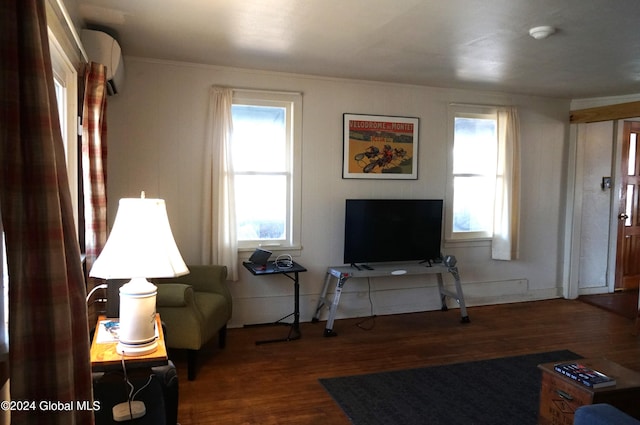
[4, 295]
[465, 111]
[292, 102]
[65, 74]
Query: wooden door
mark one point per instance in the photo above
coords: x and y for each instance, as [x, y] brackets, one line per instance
[628, 252]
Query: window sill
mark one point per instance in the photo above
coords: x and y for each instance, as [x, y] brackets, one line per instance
[467, 243]
[293, 250]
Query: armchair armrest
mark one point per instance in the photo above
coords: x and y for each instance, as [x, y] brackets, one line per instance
[174, 295]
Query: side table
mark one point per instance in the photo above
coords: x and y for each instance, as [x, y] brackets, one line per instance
[104, 356]
[152, 372]
[560, 396]
[271, 268]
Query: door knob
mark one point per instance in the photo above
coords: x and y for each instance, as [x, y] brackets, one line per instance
[623, 216]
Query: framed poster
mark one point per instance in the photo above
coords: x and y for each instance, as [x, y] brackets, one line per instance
[380, 147]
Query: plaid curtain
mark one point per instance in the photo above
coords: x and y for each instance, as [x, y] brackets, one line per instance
[49, 346]
[94, 162]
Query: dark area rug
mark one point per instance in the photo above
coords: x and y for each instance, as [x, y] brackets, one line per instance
[503, 391]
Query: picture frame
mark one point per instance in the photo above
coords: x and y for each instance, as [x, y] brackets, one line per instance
[380, 147]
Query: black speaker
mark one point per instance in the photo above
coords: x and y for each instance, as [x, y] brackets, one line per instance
[113, 297]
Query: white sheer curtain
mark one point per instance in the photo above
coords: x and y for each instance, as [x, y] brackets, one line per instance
[505, 244]
[219, 245]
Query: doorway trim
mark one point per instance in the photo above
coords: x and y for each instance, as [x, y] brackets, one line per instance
[614, 203]
[573, 216]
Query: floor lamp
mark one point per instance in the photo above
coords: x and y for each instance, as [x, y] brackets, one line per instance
[140, 246]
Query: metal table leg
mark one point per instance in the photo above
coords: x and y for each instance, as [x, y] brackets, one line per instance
[458, 295]
[328, 331]
[294, 327]
[322, 301]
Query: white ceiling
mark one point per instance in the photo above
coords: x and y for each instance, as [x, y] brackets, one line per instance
[470, 44]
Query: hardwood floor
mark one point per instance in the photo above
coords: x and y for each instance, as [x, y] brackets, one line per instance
[624, 303]
[278, 383]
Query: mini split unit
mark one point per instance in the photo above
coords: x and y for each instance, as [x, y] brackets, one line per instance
[104, 49]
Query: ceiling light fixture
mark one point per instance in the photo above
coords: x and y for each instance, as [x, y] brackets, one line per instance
[542, 32]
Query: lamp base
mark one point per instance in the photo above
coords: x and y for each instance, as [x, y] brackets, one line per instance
[135, 350]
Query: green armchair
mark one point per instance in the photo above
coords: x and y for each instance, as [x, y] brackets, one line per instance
[194, 308]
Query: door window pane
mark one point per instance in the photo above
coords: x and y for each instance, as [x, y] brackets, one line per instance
[629, 206]
[632, 154]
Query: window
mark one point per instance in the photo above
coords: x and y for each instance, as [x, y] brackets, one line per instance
[66, 84]
[4, 295]
[266, 160]
[470, 210]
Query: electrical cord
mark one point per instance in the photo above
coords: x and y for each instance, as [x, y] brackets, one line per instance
[126, 380]
[131, 395]
[95, 288]
[142, 387]
[372, 316]
[283, 261]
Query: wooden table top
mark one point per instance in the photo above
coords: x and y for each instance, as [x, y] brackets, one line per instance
[105, 357]
[625, 378]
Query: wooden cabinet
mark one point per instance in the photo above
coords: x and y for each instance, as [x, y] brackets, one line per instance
[560, 396]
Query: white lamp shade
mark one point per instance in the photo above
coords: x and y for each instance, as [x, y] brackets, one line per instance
[141, 243]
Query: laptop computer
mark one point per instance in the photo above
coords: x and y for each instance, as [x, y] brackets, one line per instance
[259, 258]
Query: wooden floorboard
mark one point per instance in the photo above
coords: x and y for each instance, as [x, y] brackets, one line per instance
[278, 383]
[624, 303]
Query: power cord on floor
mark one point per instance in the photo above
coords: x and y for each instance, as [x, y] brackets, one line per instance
[372, 317]
[130, 409]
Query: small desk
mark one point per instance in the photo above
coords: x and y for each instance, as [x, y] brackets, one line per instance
[344, 273]
[272, 269]
[104, 356]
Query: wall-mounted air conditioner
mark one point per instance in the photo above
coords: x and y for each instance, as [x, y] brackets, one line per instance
[104, 49]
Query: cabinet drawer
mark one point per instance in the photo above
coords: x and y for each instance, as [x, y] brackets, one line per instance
[559, 400]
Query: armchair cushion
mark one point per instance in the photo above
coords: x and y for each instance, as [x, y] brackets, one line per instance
[194, 308]
[206, 279]
[214, 308]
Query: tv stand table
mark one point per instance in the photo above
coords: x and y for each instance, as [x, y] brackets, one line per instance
[344, 273]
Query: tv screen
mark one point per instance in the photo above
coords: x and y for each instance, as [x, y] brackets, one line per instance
[386, 230]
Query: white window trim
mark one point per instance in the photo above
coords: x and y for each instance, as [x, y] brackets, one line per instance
[66, 74]
[4, 296]
[293, 245]
[468, 111]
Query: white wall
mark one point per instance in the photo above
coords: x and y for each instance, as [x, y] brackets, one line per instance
[596, 142]
[156, 132]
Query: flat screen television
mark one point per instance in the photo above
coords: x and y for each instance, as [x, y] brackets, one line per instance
[387, 230]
